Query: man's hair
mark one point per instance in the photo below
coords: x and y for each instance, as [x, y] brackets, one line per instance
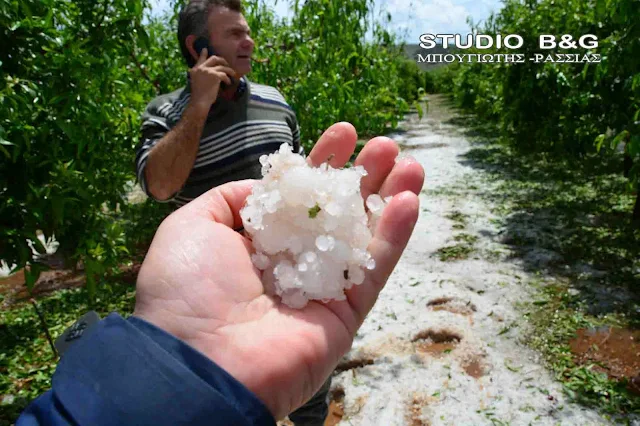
[193, 20]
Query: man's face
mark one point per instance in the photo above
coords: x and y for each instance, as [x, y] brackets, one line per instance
[229, 37]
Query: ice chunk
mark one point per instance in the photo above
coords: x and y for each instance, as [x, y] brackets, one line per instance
[323, 243]
[310, 257]
[260, 261]
[356, 275]
[371, 264]
[375, 204]
[333, 209]
[309, 228]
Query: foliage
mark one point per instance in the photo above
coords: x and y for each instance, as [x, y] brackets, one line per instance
[71, 100]
[26, 360]
[567, 109]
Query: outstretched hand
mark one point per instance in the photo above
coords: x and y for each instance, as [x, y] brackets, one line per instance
[198, 282]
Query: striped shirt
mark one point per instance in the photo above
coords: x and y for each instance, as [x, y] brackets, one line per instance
[236, 133]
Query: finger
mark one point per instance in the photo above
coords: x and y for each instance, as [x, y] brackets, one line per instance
[387, 245]
[203, 57]
[214, 60]
[224, 70]
[221, 204]
[223, 77]
[378, 158]
[406, 175]
[336, 144]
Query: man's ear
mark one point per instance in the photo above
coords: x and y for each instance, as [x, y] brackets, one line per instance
[189, 45]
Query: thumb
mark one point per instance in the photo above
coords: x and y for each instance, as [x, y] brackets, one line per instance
[222, 203]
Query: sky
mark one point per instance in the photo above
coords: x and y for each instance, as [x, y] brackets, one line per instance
[410, 18]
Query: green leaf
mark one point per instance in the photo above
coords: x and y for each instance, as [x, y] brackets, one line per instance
[313, 211]
[91, 270]
[418, 107]
[37, 244]
[32, 273]
[619, 138]
[143, 37]
[5, 152]
[584, 71]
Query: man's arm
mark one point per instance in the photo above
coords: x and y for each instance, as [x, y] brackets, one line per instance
[170, 160]
[131, 372]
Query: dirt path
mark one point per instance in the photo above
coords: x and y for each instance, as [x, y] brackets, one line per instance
[441, 346]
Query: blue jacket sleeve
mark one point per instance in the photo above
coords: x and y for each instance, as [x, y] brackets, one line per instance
[129, 372]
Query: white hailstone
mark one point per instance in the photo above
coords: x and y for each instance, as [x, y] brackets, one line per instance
[309, 228]
[356, 275]
[260, 261]
[333, 209]
[323, 243]
[371, 264]
[310, 256]
[375, 204]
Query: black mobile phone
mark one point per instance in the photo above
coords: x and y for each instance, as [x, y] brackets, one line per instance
[201, 43]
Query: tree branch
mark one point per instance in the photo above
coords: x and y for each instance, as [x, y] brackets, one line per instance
[44, 326]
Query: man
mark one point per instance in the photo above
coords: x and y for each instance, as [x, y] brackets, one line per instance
[205, 344]
[202, 135]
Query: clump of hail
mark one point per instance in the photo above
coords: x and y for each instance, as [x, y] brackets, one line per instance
[309, 228]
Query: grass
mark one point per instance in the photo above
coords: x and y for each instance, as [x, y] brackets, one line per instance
[454, 252]
[457, 217]
[464, 246]
[494, 255]
[554, 323]
[569, 223]
[26, 360]
[466, 238]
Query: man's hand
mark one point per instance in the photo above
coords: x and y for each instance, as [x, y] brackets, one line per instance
[198, 283]
[206, 76]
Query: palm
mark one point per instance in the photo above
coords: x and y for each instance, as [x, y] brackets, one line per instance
[230, 310]
[199, 284]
